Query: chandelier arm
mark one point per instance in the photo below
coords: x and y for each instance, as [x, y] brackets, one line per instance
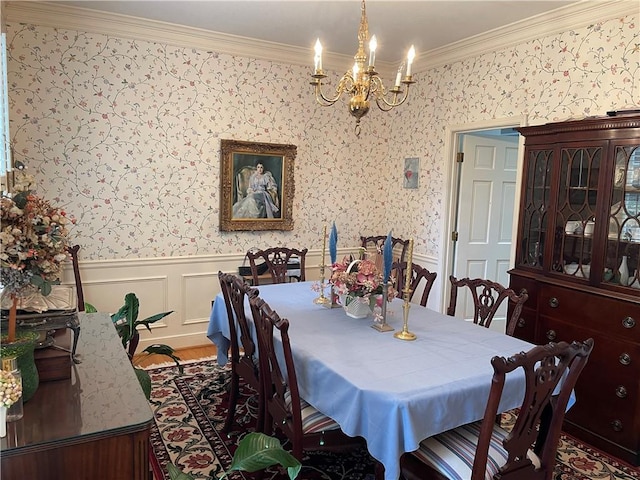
[346, 85]
[386, 105]
[322, 99]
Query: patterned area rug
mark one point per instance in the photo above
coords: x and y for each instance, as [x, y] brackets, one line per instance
[190, 410]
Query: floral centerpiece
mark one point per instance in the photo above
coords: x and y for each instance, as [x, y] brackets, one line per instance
[33, 244]
[358, 280]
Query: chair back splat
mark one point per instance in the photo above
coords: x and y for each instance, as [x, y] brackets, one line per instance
[244, 364]
[545, 367]
[305, 427]
[399, 245]
[528, 452]
[277, 260]
[418, 273]
[487, 298]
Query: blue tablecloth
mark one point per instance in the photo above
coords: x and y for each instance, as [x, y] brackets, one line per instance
[394, 393]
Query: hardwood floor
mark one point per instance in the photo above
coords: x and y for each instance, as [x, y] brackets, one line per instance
[185, 354]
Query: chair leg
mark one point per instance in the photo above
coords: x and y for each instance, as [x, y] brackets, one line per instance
[260, 416]
[233, 400]
[379, 470]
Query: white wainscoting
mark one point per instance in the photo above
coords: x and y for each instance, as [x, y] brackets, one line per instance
[186, 285]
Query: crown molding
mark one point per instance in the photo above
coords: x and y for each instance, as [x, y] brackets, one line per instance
[125, 26]
[559, 20]
[73, 18]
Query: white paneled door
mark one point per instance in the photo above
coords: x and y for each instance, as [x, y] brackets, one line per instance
[485, 214]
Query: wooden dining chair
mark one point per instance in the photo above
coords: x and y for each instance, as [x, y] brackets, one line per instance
[487, 298]
[481, 450]
[418, 274]
[399, 245]
[277, 260]
[306, 428]
[244, 362]
[73, 253]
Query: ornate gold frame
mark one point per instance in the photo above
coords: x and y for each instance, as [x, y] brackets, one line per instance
[236, 155]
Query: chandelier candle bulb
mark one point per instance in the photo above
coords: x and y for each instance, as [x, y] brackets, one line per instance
[410, 56]
[399, 75]
[373, 44]
[318, 57]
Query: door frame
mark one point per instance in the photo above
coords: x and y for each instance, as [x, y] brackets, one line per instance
[452, 140]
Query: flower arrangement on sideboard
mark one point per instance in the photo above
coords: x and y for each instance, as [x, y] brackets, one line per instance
[33, 243]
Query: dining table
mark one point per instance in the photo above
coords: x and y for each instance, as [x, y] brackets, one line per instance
[392, 392]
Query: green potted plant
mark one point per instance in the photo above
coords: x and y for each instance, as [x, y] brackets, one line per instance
[256, 451]
[127, 323]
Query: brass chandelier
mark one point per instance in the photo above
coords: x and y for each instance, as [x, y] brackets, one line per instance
[362, 82]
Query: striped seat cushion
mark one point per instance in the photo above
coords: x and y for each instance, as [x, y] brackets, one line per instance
[312, 420]
[451, 453]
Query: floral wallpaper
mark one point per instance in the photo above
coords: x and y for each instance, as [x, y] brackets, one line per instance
[125, 134]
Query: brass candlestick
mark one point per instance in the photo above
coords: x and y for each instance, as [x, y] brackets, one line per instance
[322, 300]
[405, 334]
[383, 326]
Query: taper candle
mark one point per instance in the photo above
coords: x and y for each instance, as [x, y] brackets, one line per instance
[324, 243]
[407, 281]
[318, 57]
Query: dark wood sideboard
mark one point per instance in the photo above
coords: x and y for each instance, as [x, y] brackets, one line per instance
[94, 425]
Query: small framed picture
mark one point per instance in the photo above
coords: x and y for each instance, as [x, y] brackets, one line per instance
[411, 172]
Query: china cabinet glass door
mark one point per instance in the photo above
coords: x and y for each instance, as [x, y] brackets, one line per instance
[623, 239]
[536, 204]
[576, 211]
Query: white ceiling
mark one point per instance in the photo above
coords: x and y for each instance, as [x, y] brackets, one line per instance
[428, 24]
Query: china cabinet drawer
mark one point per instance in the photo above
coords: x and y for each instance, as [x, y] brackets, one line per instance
[526, 325]
[616, 317]
[608, 390]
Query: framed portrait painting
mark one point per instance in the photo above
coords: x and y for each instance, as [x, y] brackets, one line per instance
[257, 186]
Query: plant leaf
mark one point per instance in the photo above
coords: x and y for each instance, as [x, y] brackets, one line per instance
[133, 308]
[257, 451]
[176, 474]
[159, 349]
[88, 308]
[153, 319]
[20, 198]
[145, 381]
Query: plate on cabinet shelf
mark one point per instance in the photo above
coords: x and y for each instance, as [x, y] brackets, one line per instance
[618, 180]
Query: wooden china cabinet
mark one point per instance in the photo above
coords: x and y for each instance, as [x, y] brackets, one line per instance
[578, 257]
